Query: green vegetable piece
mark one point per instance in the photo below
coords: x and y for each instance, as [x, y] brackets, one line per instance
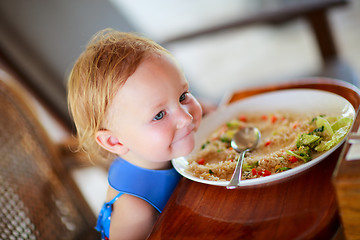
[317, 130]
[342, 122]
[246, 167]
[233, 123]
[340, 129]
[328, 132]
[225, 139]
[336, 138]
[332, 119]
[307, 140]
[304, 153]
[231, 133]
[228, 135]
[205, 144]
[282, 169]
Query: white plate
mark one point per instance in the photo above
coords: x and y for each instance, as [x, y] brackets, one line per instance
[293, 100]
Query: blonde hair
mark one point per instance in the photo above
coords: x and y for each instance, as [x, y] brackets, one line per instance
[109, 59]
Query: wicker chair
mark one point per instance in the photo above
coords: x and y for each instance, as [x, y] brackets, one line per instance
[38, 198]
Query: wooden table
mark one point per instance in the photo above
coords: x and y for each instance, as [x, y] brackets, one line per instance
[347, 185]
[303, 206]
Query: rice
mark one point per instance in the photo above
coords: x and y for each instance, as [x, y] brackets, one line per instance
[216, 160]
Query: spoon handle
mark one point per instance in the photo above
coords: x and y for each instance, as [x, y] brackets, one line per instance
[236, 177]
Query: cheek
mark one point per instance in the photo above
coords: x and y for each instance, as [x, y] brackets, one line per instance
[161, 135]
[196, 112]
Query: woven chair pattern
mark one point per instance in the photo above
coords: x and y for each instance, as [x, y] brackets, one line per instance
[36, 201]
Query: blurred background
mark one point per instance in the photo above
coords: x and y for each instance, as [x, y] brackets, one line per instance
[42, 39]
[248, 43]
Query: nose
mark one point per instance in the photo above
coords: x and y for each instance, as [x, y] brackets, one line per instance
[184, 118]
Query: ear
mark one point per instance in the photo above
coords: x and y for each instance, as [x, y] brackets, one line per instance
[109, 142]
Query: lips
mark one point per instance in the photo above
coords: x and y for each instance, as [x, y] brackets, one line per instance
[183, 133]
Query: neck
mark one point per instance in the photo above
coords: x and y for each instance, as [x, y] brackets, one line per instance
[140, 162]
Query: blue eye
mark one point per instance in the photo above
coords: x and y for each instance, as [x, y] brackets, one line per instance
[183, 97]
[159, 116]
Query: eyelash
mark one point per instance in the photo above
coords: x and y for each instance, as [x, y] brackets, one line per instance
[159, 116]
[183, 97]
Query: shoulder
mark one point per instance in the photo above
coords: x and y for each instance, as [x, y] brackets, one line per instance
[134, 204]
[129, 204]
[131, 217]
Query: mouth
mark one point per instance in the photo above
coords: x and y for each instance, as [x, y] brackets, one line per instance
[184, 134]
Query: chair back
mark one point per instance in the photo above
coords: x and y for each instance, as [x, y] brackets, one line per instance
[38, 198]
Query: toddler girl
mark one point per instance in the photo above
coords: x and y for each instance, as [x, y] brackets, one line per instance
[131, 105]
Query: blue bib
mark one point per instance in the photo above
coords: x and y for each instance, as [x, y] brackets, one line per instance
[153, 186]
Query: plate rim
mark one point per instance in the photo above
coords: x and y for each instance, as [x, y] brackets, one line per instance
[274, 177]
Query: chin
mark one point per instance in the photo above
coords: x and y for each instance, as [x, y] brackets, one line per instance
[185, 146]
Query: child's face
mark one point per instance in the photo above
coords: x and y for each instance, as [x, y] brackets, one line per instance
[153, 115]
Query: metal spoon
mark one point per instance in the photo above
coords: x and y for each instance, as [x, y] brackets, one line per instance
[243, 141]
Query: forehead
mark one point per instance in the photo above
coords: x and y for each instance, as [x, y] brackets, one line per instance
[156, 79]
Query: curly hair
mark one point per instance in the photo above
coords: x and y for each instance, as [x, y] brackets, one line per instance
[109, 59]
